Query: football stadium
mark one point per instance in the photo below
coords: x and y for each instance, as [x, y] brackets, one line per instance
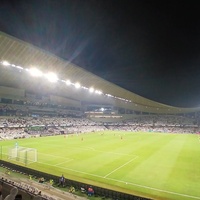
[62, 124]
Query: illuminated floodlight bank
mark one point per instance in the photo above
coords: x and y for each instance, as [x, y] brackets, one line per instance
[85, 88]
[19, 67]
[91, 90]
[109, 95]
[51, 77]
[77, 85]
[35, 72]
[102, 109]
[5, 63]
[98, 92]
[68, 82]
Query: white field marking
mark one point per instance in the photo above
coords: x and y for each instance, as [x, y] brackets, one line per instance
[123, 154]
[64, 162]
[120, 167]
[159, 190]
[73, 170]
[134, 184]
[93, 149]
[109, 152]
[53, 156]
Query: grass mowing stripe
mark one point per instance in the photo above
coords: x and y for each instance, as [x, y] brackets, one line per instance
[137, 185]
[109, 152]
[151, 188]
[73, 170]
[164, 163]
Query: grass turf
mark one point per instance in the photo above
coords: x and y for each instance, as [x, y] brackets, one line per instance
[155, 165]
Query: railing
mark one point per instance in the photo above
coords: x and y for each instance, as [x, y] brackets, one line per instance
[99, 191]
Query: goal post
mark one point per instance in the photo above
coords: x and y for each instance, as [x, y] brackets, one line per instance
[22, 154]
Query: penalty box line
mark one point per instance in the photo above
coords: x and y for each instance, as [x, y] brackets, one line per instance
[120, 166]
[66, 159]
[64, 162]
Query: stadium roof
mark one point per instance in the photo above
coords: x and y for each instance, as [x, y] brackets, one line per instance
[22, 54]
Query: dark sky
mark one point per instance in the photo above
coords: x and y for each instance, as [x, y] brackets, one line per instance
[151, 48]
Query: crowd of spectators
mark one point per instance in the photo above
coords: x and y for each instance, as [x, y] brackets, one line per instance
[18, 190]
[24, 127]
[159, 123]
[13, 127]
[29, 108]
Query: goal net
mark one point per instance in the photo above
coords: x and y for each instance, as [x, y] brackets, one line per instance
[23, 154]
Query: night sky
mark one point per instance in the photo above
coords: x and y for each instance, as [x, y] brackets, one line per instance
[151, 48]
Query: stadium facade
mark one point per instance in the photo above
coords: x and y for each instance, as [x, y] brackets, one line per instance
[29, 74]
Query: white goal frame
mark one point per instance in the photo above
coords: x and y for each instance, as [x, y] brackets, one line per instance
[23, 154]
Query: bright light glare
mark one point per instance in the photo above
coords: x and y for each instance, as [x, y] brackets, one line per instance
[85, 88]
[102, 109]
[19, 67]
[77, 85]
[68, 82]
[98, 92]
[51, 77]
[35, 72]
[91, 89]
[6, 63]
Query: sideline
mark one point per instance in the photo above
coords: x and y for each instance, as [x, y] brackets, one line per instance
[134, 184]
[120, 167]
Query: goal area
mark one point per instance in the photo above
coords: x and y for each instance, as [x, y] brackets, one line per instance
[22, 154]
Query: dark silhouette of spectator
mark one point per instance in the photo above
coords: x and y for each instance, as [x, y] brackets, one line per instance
[1, 187]
[41, 180]
[62, 181]
[13, 193]
[90, 191]
[18, 197]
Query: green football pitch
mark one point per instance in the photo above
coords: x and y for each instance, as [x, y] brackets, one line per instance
[154, 165]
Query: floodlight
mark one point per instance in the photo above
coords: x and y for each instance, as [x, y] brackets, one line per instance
[51, 77]
[77, 85]
[85, 88]
[102, 109]
[19, 67]
[91, 90]
[6, 63]
[98, 92]
[35, 72]
[68, 82]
